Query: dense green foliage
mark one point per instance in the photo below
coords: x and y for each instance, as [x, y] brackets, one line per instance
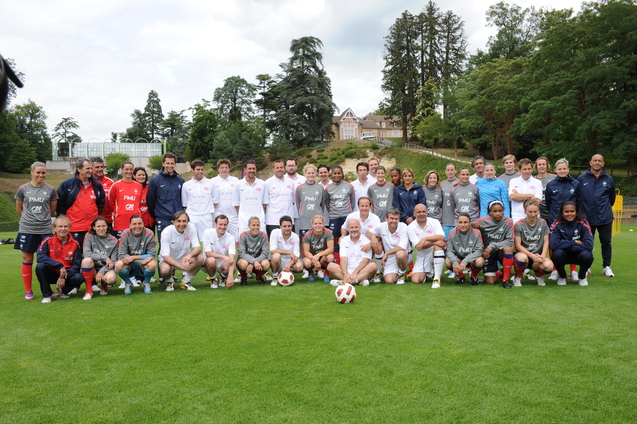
[114, 162]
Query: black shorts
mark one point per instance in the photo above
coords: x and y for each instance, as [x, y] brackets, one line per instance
[491, 264]
[29, 243]
[335, 226]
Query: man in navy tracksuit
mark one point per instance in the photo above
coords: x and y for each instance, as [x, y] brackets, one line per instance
[597, 198]
[164, 194]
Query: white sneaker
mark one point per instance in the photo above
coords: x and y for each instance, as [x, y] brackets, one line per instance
[170, 287]
[74, 291]
[238, 279]
[376, 279]
[274, 283]
[221, 284]
[320, 274]
[554, 276]
[103, 292]
[88, 296]
[452, 275]
[364, 283]
[95, 288]
[134, 281]
[588, 272]
[214, 285]
[435, 284]
[122, 285]
[528, 275]
[268, 277]
[335, 283]
[540, 281]
[46, 300]
[187, 286]
[583, 282]
[517, 282]
[607, 272]
[401, 279]
[152, 280]
[561, 282]
[574, 276]
[306, 274]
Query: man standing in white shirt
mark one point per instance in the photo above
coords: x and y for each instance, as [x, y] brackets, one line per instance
[224, 184]
[362, 183]
[390, 242]
[250, 197]
[356, 265]
[220, 249]
[200, 198]
[291, 167]
[477, 164]
[281, 192]
[522, 188]
[428, 238]
[285, 249]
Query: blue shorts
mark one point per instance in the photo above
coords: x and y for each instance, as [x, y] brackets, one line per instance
[335, 226]
[29, 243]
[447, 229]
[136, 270]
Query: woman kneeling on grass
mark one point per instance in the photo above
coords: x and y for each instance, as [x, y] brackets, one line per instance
[100, 255]
[497, 233]
[465, 249]
[59, 259]
[531, 244]
[572, 242]
[137, 247]
[318, 248]
[253, 252]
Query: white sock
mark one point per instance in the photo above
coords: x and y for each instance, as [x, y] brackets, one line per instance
[439, 262]
[186, 278]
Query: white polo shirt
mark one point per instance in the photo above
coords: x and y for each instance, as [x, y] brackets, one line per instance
[531, 186]
[176, 244]
[225, 245]
[391, 240]
[354, 251]
[250, 198]
[199, 197]
[293, 244]
[371, 221]
[417, 233]
[281, 193]
[225, 190]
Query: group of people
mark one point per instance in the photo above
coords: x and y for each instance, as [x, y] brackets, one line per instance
[365, 231]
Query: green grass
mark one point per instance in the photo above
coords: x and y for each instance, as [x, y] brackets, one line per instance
[293, 355]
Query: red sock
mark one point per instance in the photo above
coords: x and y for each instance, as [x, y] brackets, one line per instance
[573, 267]
[540, 272]
[27, 276]
[519, 269]
[88, 279]
[508, 264]
[498, 275]
[105, 287]
[243, 274]
[474, 272]
[337, 257]
[259, 274]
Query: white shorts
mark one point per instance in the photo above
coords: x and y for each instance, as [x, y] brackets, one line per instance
[285, 259]
[424, 260]
[391, 266]
[202, 223]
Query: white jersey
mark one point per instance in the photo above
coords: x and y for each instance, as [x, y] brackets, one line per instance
[225, 245]
[176, 244]
[371, 221]
[417, 233]
[199, 197]
[474, 178]
[360, 189]
[531, 186]
[293, 244]
[353, 251]
[281, 193]
[391, 240]
[250, 198]
[225, 190]
[298, 181]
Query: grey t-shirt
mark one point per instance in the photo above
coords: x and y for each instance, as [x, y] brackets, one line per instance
[340, 199]
[382, 197]
[531, 237]
[448, 217]
[318, 243]
[36, 208]
[310, 202]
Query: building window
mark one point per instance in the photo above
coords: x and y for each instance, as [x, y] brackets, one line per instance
[396, 133]
[384, 134]
[349, 132]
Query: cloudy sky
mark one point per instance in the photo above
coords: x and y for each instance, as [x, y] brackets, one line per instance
[96, 61]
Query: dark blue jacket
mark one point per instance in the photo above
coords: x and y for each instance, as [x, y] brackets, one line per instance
[67, 197]
[564, 234]
[558, 191]
[597, 197]
[406, 200]
[164, 195]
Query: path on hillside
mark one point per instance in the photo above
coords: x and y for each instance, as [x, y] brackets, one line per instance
[421, 149]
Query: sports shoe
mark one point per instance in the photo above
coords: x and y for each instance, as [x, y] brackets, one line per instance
[320, 274]
[104, 289]
[222, 284]
[452, 275]
[435, 284]
[187, 286]
[152, 280]
[528, 275]
[122, 285]
[517, 281]
[326, 279]
[162, 282]
[88, 296]
[29, 295]
[74, 291]
[170, 287]
[588, 272]
[474, 281]
[306, 274]
[274, 283]
[46, 300]
[244, 282]
[574, 276]
[128, 289]
[134, 281]
[268, 277]
[214, 285]
[147, 288]
[260, 281]
[95, 288]
[540, 281]
[460, 280]
[554, 276]
[583, 282]
[401, 279]
[238, 280]
[376, 278]
[364, 283]
[506, 284]
[335, 283]
[561, 282]
[607, 272]
[311, 277]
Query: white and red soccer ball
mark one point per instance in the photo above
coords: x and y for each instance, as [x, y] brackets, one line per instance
[285, 278]
[345, 293]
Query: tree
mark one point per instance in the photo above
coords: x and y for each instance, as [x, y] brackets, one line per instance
[238, 142]
[153, 116]
[269, 101]
[16, 155]
[205, 123]
[235, 99]
[138, 131]
[31, 127]
[454, 54]
[305, 115]
[427, 24]
[115, 161]
[175, 130]
[65, 137]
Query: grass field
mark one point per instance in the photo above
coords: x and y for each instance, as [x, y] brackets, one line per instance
[262, 354]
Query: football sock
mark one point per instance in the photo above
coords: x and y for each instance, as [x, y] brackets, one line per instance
[148, 274]
[507, 263]
[87, 273]
[540, 272]
[573, 267]
[519, 268]
[259, 274]
[243, 274]
[439, 262]
[498, 275]
[186, 278]
[27, 276]
[474, 271]
[125, 274]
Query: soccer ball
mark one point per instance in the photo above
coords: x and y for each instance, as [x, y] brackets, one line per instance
[345, 293]
[285, 278]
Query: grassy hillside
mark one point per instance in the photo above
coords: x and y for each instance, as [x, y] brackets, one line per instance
[8, 216]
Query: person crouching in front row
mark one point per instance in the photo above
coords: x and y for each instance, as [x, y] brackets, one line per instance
[253, 252]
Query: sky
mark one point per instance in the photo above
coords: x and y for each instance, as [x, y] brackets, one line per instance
[96, 61]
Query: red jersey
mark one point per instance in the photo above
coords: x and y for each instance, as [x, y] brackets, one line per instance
[107, 183]
[124, 199]
[53, 253]
[84, 209]
[143, 208]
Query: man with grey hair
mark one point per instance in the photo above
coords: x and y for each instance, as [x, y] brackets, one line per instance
[81, 199]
